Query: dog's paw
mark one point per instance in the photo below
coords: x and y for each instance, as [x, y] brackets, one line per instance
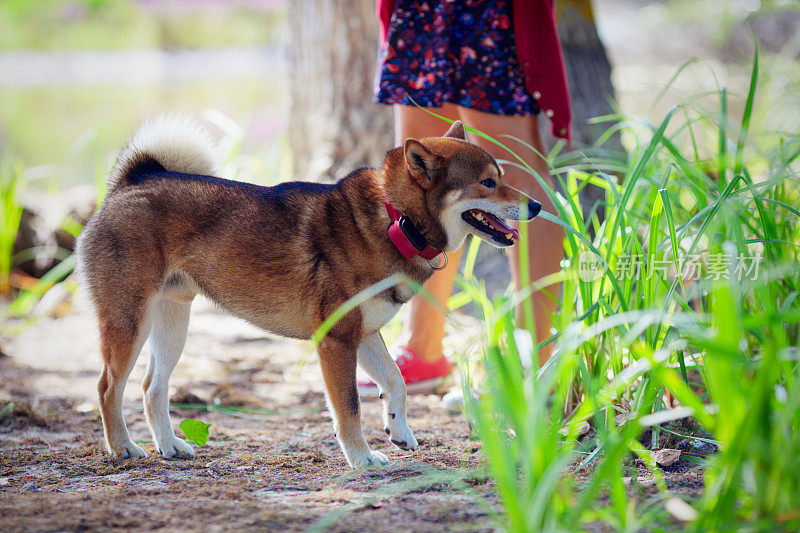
[366, 459]
[176, 447]
[127, 450]
[402, 436]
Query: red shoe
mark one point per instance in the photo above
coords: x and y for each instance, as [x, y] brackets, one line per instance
[420, 376]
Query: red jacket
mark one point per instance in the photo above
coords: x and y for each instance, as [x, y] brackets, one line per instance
[539, 53]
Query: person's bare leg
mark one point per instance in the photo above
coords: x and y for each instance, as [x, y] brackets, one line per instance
[545, 239]
[424, 330]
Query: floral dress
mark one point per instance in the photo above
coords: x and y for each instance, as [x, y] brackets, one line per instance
[453, 51]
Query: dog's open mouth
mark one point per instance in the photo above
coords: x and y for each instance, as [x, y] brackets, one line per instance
[489, 224]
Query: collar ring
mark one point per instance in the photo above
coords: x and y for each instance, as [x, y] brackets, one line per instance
[441, 265]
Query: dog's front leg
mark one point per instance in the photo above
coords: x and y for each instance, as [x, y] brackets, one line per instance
[374, 358]
[338, 361]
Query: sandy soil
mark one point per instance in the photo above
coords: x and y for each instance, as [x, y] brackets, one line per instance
[279, 468]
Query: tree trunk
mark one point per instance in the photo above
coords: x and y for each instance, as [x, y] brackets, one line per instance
[588, 69]
[334, 125]
[590, 88]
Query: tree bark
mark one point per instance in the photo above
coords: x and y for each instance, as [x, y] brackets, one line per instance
[588, 69]
[334, 126]
[590, 87]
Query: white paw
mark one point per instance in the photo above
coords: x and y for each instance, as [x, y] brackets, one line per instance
[366, 459]
[401, 435]
[127, 450]
[175, 447]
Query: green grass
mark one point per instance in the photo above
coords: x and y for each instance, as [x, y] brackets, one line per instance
[11, 181]
[700, 194]
[125, 24]
[624, 341]
[698, 188]
[74, 131]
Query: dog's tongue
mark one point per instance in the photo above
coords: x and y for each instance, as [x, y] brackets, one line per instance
[499, 225]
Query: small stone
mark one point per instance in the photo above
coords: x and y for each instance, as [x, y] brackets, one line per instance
[666, 456]
[30, 487]
[583, 429]
[623, 417]
[231, 394]
[215, 465]
[186, 396]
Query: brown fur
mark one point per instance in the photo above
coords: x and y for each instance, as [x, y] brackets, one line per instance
[283, 258]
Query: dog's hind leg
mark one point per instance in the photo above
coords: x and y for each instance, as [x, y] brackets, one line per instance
[166, 341]
[338, 361]
[119, 345]
[374, 358]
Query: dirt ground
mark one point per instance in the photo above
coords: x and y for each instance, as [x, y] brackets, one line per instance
[279, 468]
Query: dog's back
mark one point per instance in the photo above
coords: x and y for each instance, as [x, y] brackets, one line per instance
[165, 231]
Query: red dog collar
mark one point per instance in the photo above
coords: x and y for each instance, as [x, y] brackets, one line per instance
[406, 237]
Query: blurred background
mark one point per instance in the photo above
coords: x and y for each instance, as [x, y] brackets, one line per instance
[287, 87]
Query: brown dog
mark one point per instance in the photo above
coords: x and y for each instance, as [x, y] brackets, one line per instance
[283, 258]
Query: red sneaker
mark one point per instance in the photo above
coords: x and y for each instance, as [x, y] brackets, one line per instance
[420, 376]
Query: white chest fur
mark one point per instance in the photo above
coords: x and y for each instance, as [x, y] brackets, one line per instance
[377, 312]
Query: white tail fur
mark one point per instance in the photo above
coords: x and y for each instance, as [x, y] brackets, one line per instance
[176, 142]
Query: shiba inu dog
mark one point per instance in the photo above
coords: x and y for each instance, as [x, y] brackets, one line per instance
[282, 257]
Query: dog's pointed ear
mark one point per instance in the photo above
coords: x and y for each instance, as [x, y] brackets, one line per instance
[423, 164]
[456, 131]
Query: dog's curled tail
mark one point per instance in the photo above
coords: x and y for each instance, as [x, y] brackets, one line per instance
[170, 142]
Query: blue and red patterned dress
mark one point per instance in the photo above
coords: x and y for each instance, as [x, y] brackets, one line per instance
[461, 52]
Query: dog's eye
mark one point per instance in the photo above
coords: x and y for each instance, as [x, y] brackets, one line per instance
[489, 182]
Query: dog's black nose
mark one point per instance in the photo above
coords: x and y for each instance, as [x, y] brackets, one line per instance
[533, 208]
